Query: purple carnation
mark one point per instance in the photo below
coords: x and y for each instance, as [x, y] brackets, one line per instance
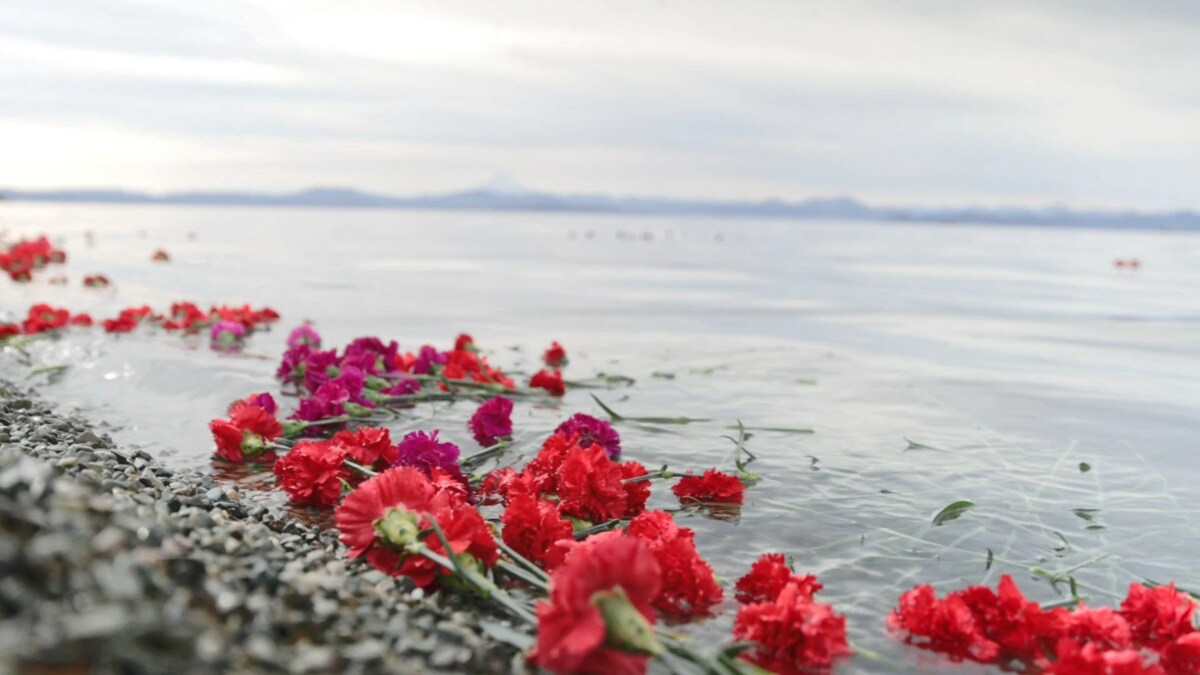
[363, 361]
[264, 401]
[424, 451]
[353, 381]
[425, 360]
[316, 368]
[383, 357]
[234, 329]
[293, 359]
[492, 421]
[591, 430]
[403, 387]
[304, 335]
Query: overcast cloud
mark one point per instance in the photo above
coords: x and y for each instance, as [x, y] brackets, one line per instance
[1084, 103]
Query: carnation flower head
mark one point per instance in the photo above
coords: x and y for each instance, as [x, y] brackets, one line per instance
[1183, 655]
[247, 434]
[426, 359]
[1158, 616]
[552, 382]
[227, 334]
[767, 578]
[380, 357]
[313, 473]
[304, 335]
[369, 446]
[1075, 658]
[425, 451]
[492, 421]
[599, 618]
[589, 430]
[319, 368]
[532, 525]
[689, 588]
[406, 386]
[792, 634]
[590, 486]
[555, 356]
[713, 487]
[947, 626]
[263, 400]
[293, 363]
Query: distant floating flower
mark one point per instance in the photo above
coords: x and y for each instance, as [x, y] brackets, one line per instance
[305, 335]
[227, 335]
[160, 256]
[713, 487]
[552, 382]
[555, 357]
[96, 281]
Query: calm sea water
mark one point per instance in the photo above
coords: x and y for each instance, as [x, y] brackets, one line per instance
[1011, 367]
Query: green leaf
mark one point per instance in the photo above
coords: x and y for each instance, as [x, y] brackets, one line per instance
[1084, 467]
[782, 430]
[988, 566]
[913, 445]
[952, 512]
[612, 414]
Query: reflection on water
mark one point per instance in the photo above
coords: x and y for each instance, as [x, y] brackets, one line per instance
[1011, 367]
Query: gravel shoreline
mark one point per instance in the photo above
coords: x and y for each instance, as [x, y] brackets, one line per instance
[110, 563]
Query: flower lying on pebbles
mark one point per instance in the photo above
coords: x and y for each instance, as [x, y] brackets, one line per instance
[247, 434]
[314, 473]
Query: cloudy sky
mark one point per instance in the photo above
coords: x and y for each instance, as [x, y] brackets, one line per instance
[1027, 101]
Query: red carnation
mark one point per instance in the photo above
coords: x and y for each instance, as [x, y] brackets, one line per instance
[84, 320]
[313, 473]
[385, 516]
[637, 492]
[246, 435]
[8, 330]
[689, 588]
[945, 626]
[542, 470]
[532, 525]
[464, 342]
[369, 446]
[791, 634]
[1182, 656]
[555, 357]
[767, 578]
[1157, 616]
[714, 487]
[1100, 626]
[551, 382]
[608, 580]
[590, 486]
[1074, 658]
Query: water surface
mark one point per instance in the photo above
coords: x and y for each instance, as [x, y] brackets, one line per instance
[1012, 367]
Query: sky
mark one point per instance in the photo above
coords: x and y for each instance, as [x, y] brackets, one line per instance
[1086, 103]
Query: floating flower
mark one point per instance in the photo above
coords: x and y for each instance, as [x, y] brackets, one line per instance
[313, 473]
[247, 434]
[767, 578]
[95, 281]
[83, 320]
[8, 330]
[551, 382]
[689, 588]
[161, 256]
[1074, 658]
[555, 357]
[637, 492]
[263, 400]
[1183, 655]
[492, 421]
[713, 487]
[532, 525]
[304, 335]
[600, 618]
[792, 634]
[592, 430]
[227, 335]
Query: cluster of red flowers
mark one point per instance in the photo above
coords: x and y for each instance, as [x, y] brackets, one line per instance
[43, 318]
[550, 378]
[24, 257]
[712, 487]
[1152, 633]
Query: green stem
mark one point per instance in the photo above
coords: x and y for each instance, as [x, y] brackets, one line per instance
[602, 527]
[361, 469]
[523, 561]
[488, 452]
[486, 587]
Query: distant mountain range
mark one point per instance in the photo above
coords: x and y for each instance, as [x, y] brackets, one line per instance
[504, 196]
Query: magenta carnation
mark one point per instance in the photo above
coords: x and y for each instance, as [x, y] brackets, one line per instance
[492, 421]
[292, 364]
[304, 335]
[425, 451]
[591, 430]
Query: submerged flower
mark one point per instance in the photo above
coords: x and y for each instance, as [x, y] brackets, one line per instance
[532, 525]
[689, 588]
[313, 472]
[492, 421]
[555, 357]
[713, 487]
[551, 382]
[767, 578]
[792, 634]
[592, 430]
[599, 618]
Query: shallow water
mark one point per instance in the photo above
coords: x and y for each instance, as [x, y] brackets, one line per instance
[1007, 356]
